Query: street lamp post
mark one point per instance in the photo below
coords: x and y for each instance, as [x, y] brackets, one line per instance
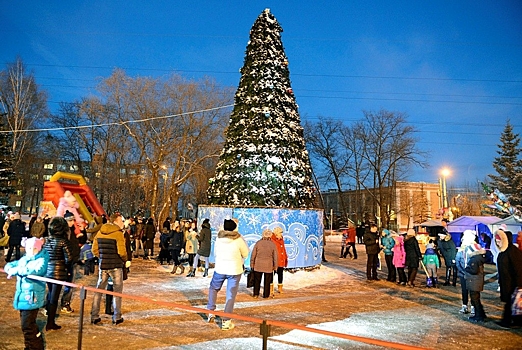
[445, 173]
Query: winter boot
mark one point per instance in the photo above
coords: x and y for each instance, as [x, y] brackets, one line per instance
[342, 253]
[205, 274]
[280, 288]
[182, 269]
[174, 269]
[448, 275]
[51, 314]
[464, 309]
[271, 290]
[191, 273]
[435, 282]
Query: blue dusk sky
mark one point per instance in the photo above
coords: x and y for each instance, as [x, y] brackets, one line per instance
[454, 67]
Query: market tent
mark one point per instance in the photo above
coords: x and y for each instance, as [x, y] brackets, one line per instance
[512, 224]
[433, 227]
[480, 224]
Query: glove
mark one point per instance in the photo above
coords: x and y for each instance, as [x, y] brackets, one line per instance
[127, 263]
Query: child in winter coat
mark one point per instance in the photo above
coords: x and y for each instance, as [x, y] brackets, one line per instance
[30, 293]
[468, 238]
[399, 259]
[432, 263]
[344, 238]
[387, 244]
[87, 258]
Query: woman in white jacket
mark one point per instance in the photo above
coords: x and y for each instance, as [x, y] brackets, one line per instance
[230, 251]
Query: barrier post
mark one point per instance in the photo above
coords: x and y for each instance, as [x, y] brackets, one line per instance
[265, 332]
[83, 296]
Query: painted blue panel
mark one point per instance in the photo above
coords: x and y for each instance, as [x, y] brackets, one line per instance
[302, 229]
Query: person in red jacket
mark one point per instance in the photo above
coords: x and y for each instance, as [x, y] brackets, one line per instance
[350, 243]
[282, 257]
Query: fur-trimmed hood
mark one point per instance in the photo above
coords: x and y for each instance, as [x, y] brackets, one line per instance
[506, 239]
[228, 234]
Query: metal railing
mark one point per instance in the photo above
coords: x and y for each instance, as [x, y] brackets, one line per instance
[264, 324]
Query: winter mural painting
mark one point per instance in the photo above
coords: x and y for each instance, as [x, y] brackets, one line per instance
[264, 177]
[302, 229]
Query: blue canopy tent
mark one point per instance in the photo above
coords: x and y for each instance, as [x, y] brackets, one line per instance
[480, 224]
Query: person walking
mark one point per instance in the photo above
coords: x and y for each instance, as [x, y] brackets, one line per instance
[350, 243]
[413, 256]
[263, 262]
[149, 233]
[230, 251]
[30, 293]
[282, 257]
[109, 247]
[509, 267]
[60, 256]
[371, 241]
[204, 238]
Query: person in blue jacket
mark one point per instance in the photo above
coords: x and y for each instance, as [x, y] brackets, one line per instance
[30, 293]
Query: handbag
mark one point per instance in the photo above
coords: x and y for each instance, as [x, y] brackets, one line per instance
[4, 241]
[250, 279]
[516, 302]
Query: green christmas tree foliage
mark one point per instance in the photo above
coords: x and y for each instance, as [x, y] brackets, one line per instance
[264, 161]
[508, 166]
[7, 174]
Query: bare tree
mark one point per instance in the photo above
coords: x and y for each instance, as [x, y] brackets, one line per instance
[25, 104]
[324, 141]
[389, 149]
[174, 125]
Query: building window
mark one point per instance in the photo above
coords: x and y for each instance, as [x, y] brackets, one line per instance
[47, 177]
[18, 203]
[34, 176]
[73, 168]
[18, 192]
[62, 167]
[97, 174]
[48, 166]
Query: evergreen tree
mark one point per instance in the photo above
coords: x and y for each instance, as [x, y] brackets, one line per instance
[7, 175]
[264, 161]
[508, 166]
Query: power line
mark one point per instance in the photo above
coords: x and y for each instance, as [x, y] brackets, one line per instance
[118, 123]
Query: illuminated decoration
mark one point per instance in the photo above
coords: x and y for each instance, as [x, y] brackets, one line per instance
[302, 229]
[500, 202]
[264, 161]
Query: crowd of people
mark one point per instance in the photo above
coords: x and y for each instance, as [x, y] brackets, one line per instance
[402, 252]
[57, 247]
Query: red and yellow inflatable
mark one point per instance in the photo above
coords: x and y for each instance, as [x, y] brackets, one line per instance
[54, 190]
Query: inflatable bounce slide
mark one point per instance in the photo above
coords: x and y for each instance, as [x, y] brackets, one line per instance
[56, 193]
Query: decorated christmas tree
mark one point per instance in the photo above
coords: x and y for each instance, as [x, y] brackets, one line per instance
[264, 161]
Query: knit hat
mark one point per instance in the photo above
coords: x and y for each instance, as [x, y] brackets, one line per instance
[33, 242]
[468, 237]
[267, 233]
[411, 232]
[68, 216]
[229, 225]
